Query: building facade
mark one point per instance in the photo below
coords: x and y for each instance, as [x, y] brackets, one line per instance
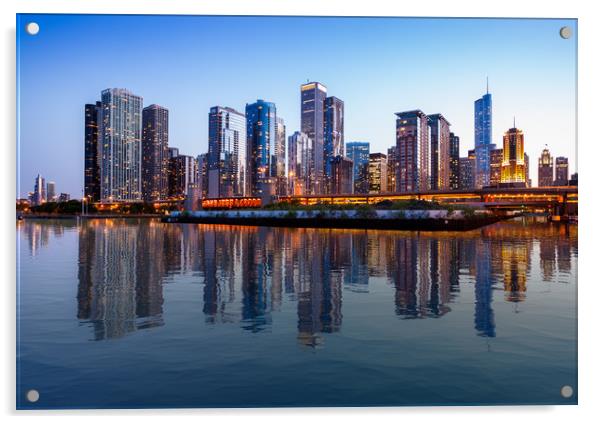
[377, 173]
[440, 152]
[91, 162]
[468, 171]
[227, 153]
[545, 169]
[50, 191]
[120, 150]
[334, 135]
[359, 153]
[483, 140]
[496, 157]
[513, 164]
[299, 150]
[342, 175]
[392, 165]
[183, 171]
[454, 161]
[313, 95]
[279, 158]
[155, 153]
[562, 171]
[39, 191]
[261, 139]
[413, 152]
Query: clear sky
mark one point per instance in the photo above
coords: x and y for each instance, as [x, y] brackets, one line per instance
[377, 66]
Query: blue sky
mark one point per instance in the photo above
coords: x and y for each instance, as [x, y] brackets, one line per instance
[378, 66]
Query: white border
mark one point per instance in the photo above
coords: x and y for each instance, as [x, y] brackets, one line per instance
[590, 142]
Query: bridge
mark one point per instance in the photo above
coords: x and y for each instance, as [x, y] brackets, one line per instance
[560, 200]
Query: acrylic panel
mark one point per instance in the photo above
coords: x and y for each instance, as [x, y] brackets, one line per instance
[294, 211]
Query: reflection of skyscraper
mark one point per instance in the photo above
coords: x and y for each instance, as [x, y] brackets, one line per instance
[484, 321]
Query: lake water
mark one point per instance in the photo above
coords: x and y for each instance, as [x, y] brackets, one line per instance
[139, 314]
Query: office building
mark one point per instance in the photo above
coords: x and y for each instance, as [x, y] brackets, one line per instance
[377, 173]
[391, 168]
[39, 191]
[202, 178]
[513, 164]
[183, 171]
[454, 161]
[342, 175]
[440, 152]
[120, 135]
[91, 160]
[496, 158]
[545, 169]
[299, 151]
[527, 178]
[279, 158]
[155, 153]
[468, 171]
[50, 191]
[413, 152]
[483, 140]
[359, 153]
[261, 139]
[562, 171]
[313, 95]
[227, 153]
[64, 197]
[334, 138]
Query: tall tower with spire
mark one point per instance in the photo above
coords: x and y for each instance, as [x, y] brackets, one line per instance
[482, 137]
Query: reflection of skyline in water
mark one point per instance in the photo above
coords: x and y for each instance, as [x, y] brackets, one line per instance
[247, 273]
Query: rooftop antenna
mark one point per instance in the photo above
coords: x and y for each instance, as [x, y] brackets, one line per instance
[514, 121]
[487, 84]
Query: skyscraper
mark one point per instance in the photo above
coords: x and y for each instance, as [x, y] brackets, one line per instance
[334, 138]
[227, 155]
[377, 173]
[261, 139]
[120, 135]
[50, 191]
[183, 171]
[313, 95]
[545, 169]
[91, 162]
[413, 151]
[562, 171]
[454, 161]
[202, 177]
[39, 191]
[392, 165]
[467, 171]
[279, 158]
[496, 157]
[440, 153]
[513, 165]
[299, 150]
[342, 175]
[482, 138]
[155, 153]
[359, 153]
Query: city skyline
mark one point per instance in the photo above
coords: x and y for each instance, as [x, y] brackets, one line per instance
[513, 90]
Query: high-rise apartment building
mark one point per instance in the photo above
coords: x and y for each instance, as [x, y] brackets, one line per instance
[545, 169]
[261, 139]
[392, 165]
[120, 152]
[440, 152]
[342, 175]
[183, 171]
[513, 164]
[91, 158]
[377, 173]
[454, 161]
[313, 95]
[468, 171]
[50, 191]
[413, 152]
[299, 151]
[279, 158]
[359, 153]
[227, 153]
[562, 171]
[334, 135]
[155, 153]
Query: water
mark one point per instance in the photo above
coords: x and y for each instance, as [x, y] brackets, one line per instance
[140, 314]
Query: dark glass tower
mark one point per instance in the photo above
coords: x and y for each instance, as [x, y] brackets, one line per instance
[482, 138]
[155, 154]
[261, 139]
[91, 165]
[454, 161]
[359, 153]
[313, 95]
[334, 141]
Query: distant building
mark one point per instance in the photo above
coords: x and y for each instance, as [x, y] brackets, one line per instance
[454, 161]
[440, 152]
[413, 152]
[377, 173]
[155, 153]
[483, 139]
[313, 95]
[39, 191]
[227, 153]
[261, 139]
[573, 180]
[513, 164]
[183, 171]
[50, 191]
[496, 157]
[91, 159]
[392, 165]
[562, 171]
[64, 197]
[299, 151]
[545, 170]
[120, 152]
[468, 171]
[359, 153]
[202, 178]
[334, 138]
[342, 175]
[527, 177]
[279, 158]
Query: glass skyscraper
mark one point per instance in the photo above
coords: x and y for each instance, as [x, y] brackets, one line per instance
[334, 138]
[454, 161]
[261, 139]
[482, 139]
[299, 149]
[313, 95]
[91, 163]
[413, 152]
[279, 158]
[440, 171]
[359, 153]
[155, 154]
[227, 156]
[120, 135]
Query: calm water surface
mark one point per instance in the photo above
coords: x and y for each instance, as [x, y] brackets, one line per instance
[127, 313]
